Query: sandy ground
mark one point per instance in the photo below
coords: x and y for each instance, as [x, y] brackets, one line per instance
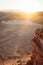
[21, 60]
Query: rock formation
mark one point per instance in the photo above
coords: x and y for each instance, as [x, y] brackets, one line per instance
[37, 48]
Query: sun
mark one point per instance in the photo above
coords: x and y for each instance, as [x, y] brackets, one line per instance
[27, 6]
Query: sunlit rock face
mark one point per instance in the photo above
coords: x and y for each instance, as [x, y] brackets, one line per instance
[37, 48]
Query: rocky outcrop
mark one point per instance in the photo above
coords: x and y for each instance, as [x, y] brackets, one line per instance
[37, 46]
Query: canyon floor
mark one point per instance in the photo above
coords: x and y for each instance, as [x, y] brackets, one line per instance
[15, 43]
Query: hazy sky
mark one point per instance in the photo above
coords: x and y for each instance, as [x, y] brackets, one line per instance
[24, 5]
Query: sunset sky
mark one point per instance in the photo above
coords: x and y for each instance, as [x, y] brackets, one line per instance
[22, 5]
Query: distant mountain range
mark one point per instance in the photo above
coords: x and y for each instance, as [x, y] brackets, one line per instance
[36, 17]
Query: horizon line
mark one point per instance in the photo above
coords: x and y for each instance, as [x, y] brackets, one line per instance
[18, 11]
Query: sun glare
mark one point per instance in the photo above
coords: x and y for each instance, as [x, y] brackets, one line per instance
[27, 6]
[22, 5]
